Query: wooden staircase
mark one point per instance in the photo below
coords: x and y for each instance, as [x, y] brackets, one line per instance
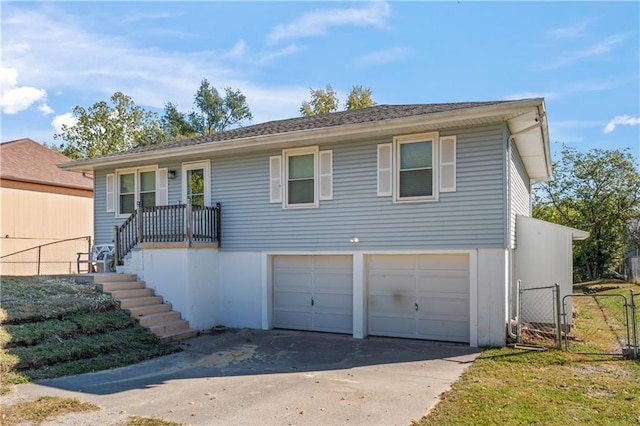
[142, 304]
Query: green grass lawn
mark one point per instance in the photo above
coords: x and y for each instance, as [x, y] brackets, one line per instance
[521, 387]
[52, 327]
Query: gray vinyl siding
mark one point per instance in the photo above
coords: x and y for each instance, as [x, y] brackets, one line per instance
[520, 192]
[473, 216]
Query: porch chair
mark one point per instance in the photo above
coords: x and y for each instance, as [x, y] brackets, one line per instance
[100, 259]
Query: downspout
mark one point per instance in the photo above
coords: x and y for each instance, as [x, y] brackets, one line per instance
[511, 317]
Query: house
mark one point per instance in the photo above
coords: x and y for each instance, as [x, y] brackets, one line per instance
[394, 220]
[47, 213]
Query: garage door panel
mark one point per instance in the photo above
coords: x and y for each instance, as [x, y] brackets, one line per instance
[391, 283]
[332, 322]
[313, 293]
[438, 284]
[343, 263]
[444, 307]
[296, 281]
[333, 282]
[442, 261]
[391, 262]
[456, 331]
[393, 327]
[293, 319]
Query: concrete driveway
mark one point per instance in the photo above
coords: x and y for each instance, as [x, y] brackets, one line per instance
[275, 377]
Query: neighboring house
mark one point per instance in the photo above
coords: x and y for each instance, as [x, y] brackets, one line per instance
[41, 204]
[394, 220]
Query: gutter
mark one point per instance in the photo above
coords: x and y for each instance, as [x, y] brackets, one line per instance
[316, 135]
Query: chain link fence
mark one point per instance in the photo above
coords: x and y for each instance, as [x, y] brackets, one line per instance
[54, 258]
[591, 323]
[539, 323]
[602, 324]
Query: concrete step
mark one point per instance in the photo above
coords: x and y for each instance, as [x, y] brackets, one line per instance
[132, 302]
[173, 336]
[120, 285]
[127, 294]
[111, 277]
[158, 318]
[138, 311]
[166, 327]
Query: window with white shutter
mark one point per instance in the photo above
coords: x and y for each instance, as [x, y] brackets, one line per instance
[326, 175]
[111, 192]
[385, 164]
[448, 164]
[275, 179]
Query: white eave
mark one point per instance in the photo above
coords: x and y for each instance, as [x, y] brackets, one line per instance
[530, 136]
[576, 234]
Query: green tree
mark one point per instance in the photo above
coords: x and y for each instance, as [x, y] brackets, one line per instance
[176, 124]
[215, 113]
[324, 101]
[359, 98]
[104, 129]
[597, 191]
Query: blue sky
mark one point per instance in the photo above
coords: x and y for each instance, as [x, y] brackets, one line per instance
[583, 57]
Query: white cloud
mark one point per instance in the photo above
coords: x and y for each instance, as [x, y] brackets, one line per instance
[270, 56]
[45, 109]
[238, 50]
[598, 49]
[529, 95]
[621, 120]
[64, 119]
[318, 22]
[14, 98]
[386, 56]
[570, 32]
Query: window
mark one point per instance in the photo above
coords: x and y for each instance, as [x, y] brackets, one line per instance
[415, 176]
[147, 186]
[196, 182]
[301, 177]
[417, 167]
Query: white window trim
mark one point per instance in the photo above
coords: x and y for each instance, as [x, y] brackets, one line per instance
[195, 165]
[285, 177]
[136, 171]
[398, 141]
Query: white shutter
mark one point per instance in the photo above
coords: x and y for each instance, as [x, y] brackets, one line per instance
[275, 179]
[326, 175]
[111, 192]
[448, 164]
[385, 160]
[162, 192]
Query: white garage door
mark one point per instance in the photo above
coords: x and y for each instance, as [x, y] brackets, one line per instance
[419, 296]
[313, 293]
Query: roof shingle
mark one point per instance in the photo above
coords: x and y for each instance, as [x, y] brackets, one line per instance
[28, 161]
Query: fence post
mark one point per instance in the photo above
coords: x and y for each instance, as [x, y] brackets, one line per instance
[189, 219]
[218, 211]
[39, 253]
[634, 328]
[116, 244]
[519, 312]
[558, 324]
[140, 227]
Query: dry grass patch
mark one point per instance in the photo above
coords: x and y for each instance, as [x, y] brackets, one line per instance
[150, 421]
[42, 409]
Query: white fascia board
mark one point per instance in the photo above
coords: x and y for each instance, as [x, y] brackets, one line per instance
[576, 234]
[303, 137]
